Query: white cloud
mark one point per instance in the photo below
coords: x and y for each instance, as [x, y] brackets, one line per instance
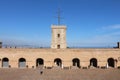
[107, 40]
[98, 40]
[111, 27]
[24, 43]
[108, 37]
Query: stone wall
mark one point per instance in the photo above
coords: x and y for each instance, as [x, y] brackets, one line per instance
[65, 55]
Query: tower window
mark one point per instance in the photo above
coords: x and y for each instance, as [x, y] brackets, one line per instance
[58, 35]
[58, 46]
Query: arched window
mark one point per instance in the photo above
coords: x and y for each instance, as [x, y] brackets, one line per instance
[76, 62]
[39, 62]
[111, 62]
[22, 63]
[93, 62]
[58, 62]
[5, 62]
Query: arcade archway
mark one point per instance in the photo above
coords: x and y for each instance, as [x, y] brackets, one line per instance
[39, 62]
[93, 62]
[5, 62]
[22, 63]
[111, 62]
[58, 62]
[76, 62]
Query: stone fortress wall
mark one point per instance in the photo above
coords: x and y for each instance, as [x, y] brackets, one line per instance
[59, 56]
[14, 58]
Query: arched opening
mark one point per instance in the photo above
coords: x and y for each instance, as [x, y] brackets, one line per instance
[93, 62]
[5, 62]
[39, 62]
[22, 63]
[58, 46]
[111, 62]
[76, 62]
[58, 62]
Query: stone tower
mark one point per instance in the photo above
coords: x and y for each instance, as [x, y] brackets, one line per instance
[58, 37]
[118, 44]
[0, 44]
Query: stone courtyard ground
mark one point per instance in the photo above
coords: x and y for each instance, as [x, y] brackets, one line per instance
[59, 74]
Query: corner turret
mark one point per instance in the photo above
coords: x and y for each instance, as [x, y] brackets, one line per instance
[118, 44]
[0, 44]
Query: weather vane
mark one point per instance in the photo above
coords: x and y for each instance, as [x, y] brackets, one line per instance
[59, 16]
[59, 13]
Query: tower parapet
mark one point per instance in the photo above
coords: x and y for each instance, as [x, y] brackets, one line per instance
[58, 37]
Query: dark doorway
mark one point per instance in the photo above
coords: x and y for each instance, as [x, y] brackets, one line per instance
[39, 62]
[58, 46]
[5, 62]
[111, 62]
[93, 62]
[22, 63]
[58, 62]
[76, 62]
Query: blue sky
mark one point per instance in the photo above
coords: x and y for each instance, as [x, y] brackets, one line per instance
[89, 22]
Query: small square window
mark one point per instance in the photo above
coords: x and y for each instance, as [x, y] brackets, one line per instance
[58, 35]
